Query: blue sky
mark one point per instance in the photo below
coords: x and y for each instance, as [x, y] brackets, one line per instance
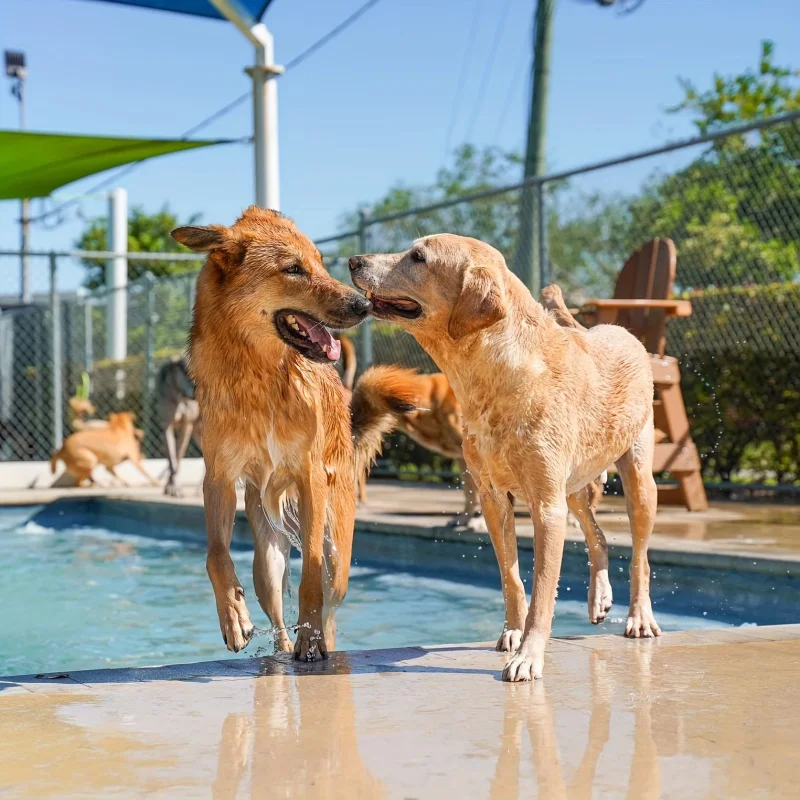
[373, 107]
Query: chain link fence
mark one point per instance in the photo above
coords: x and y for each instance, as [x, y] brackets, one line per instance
[730, 201]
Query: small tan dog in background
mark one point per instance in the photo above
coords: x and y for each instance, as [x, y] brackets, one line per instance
[546, 410]
[110, 444]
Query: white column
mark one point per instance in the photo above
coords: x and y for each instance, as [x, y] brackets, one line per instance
[117, 276]
[265, 120]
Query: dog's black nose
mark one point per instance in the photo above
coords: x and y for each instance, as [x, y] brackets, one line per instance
[356, 262]
[360, 305]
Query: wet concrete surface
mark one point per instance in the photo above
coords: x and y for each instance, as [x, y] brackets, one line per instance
[696, 714]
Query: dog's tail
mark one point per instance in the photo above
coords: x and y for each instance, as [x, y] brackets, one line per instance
[54, 459]
[552, 298]
[349, 363]
[382, 396]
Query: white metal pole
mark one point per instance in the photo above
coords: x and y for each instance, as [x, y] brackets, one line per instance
[24, 208]
[117, 276]
[265, 100]
[265, 122]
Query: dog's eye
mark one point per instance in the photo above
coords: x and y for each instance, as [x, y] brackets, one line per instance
[295, 269]
[418, 256]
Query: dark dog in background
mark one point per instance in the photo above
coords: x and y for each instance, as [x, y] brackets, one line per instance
[179, 416]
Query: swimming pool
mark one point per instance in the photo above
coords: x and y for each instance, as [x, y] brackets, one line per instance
[82, 587]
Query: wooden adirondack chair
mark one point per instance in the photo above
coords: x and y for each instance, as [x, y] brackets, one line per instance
[642, 304]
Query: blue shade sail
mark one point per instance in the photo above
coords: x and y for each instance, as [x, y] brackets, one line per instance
[197, 8]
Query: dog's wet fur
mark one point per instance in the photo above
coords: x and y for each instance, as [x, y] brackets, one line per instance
[546, 409]
[275, 415]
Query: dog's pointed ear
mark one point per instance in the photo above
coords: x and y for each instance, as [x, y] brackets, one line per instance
[215, 239]
[480, 304]
[201, 238]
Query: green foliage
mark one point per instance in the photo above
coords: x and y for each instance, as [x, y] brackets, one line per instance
[761, 93]
[741, 385]
[147, 233]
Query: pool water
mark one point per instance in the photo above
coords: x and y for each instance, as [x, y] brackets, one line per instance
[79, 597]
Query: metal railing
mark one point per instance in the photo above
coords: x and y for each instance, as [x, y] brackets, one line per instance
[729, 200]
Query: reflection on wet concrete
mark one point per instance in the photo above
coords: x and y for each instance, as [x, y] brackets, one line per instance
[299, 739]
[700, 714]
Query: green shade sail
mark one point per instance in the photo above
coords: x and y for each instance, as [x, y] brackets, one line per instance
[36, 164]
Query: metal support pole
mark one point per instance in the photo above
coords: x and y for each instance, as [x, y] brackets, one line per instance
[88, 337]
[265, 122]
[24, 209]
[265, 100]
[365, 339]
[117, 277]
[541, 237]
[55, 331]
[527, 262]
[148, 387]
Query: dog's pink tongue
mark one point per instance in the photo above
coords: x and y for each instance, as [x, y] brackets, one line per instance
[320, 335]
[335, 349]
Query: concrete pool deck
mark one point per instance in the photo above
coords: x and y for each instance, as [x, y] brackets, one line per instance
[703, 713]
[695, 714]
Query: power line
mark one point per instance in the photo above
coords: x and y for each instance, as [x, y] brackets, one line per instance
[512, 91]
[462, 78]
[340, 28]
[221, 112]
[488, 68]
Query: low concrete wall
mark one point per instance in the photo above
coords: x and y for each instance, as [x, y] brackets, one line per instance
[37, 475]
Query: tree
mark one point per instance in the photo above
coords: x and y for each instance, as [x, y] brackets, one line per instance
[147, 233]
[735, 210]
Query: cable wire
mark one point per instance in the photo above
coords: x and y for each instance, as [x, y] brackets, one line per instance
[462, 77]
[487, 71]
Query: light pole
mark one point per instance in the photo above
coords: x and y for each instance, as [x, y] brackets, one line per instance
[15, 69]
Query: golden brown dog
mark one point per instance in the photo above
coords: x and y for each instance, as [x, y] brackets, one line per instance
[117, 440]
[546, 410]
[436, 425]
[275, 415]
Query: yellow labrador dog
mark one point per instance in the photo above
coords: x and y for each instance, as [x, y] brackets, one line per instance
[546, 409]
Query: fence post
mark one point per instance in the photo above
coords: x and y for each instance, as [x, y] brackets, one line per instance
[365, 340]
[149, 358]
[88, 337]
[541, 224]
[55, 330]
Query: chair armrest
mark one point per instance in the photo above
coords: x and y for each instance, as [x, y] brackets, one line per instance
[674, 308]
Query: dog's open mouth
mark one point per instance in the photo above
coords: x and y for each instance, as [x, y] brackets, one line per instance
[307, 335]
[396, 307]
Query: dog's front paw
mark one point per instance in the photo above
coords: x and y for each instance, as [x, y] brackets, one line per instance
[524, 665]
[509, 640]
[234, 622]
[600, 596]
[173, 490]
[310, 644]
[641, 624]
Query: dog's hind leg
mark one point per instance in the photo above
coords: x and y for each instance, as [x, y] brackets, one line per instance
[270, 566]
[600, 596]
[641, 498]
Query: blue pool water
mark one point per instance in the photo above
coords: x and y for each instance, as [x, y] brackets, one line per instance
[79, 593]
